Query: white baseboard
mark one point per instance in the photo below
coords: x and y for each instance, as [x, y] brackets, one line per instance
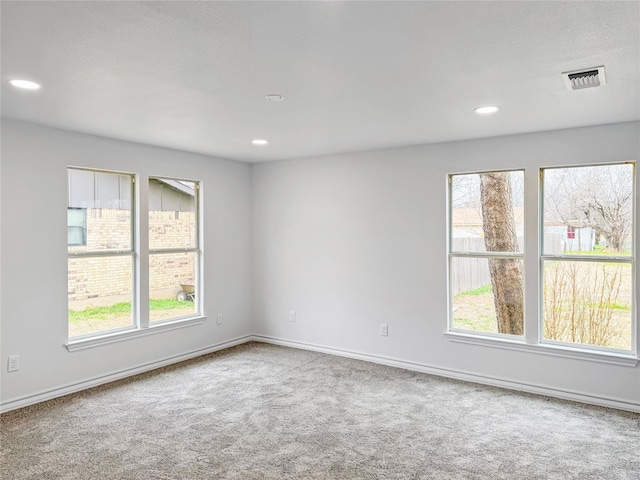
[459, 375]
[94, 382]
[393, 362]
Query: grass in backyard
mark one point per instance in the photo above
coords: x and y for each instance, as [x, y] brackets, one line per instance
[599, 250]
[167, 304]
[479, 291]
[482, 323]
[100, 313]
[474, 310]
[120, 309]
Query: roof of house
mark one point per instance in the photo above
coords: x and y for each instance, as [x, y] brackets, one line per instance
[468, 217]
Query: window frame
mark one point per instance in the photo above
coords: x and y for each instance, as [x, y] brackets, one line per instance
[83, 227]
[533, 229]
[563, 257]
[139, 253]
[131, 253]
[451, 254]
[196, 250]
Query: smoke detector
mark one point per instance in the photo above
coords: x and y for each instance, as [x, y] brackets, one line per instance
[585, 78]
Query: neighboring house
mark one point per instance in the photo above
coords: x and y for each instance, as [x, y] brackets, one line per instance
[467, 226]
[559, 236]
[99, 219]
[468, 235]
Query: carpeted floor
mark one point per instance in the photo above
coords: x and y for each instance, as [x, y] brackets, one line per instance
[259, 411]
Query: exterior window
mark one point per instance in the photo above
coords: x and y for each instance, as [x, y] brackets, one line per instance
[587, 274]
[174, 254]
[486, 289]
[103, 281]
[101, 268]
[76, 226]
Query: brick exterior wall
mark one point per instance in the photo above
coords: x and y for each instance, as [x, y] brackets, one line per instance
[100, 277]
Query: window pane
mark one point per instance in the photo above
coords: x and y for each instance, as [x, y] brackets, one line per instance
[588, 303]
[105, 200]
[172, 291]
[172, 214]
[487, 295]
[487, 212]
[100, 294]
[588, 210]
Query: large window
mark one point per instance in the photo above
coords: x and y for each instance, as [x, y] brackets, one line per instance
[101, 266]
[585, 286]
[588, 255]
[486, 252]
[104, 279]
[173, 248]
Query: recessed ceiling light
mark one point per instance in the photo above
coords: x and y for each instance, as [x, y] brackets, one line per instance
[487, 109]
[259, 141]
[273, 97]
[24, 84]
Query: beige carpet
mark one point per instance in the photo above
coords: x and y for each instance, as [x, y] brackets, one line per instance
[259, 411]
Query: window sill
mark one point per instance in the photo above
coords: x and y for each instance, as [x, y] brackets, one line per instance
[546, 349]
[120, 336]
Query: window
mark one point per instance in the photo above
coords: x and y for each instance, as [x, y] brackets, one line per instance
[101, 268]
[584, 294]
[104, 280]
[587, 276]
[486, 252]
[76, 226]
[173, 248]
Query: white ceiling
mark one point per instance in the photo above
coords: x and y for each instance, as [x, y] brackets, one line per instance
[356, 75]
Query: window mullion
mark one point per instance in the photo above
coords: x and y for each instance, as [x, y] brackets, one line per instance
[142, 247]
[532, 208]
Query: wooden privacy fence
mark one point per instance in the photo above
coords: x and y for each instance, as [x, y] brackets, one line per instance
[468, 273]
[471, 273]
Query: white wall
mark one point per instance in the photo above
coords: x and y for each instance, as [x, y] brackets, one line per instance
[355, 240]
[347, 241]
[34, 264]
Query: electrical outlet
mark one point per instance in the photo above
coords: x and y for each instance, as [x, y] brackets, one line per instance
[219, 319]
[384, 329]
[292, 316]
[13, 365]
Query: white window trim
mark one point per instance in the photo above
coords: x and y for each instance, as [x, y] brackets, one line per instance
[131, 252]
[141, 326]
[532, 341]
[567, 351]
[116, 336]
[451, 254]
[634, 352]
[197, 250]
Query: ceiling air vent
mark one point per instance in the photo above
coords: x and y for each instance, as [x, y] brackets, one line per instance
[586, 78]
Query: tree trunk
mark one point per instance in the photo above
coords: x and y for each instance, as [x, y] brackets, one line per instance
[500, 236]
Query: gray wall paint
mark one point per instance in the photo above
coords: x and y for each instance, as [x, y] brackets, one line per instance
[351, 241]
[34, 264]
[348, 241]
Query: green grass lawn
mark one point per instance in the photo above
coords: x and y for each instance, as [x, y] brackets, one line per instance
[488, 288]
[122, 309]
[599, 250]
